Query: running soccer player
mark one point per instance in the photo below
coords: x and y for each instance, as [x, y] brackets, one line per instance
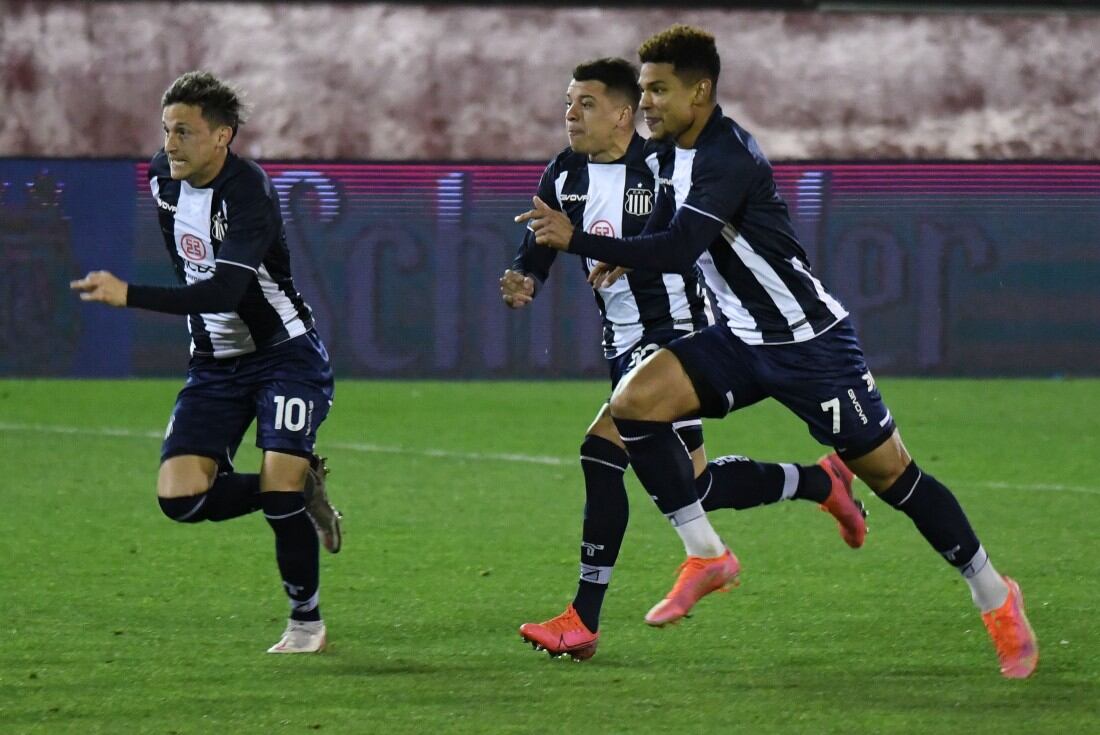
[604, 183]
[254, 351]
[781, 336]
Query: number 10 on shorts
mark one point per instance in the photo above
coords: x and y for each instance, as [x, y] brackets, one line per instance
[292, 413]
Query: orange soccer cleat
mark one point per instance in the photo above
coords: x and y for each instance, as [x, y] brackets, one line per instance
[848, 511]
[699, 576]
[1017, 646]
[565, 634]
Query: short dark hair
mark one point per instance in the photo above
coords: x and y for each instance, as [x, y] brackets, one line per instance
[691, 51]
[618, 75]
[220, 103]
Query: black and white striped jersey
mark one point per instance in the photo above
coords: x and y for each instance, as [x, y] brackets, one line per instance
[233, 222]
[717, 206]
[615, 199]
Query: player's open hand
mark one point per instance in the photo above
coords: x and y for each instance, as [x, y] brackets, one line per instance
[603, 275]
[551, 227]
[517, 289]
[102, 286]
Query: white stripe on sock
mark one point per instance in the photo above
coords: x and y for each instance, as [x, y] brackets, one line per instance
[790, 481]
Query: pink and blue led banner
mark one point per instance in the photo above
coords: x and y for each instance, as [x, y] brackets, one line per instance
[948, 269]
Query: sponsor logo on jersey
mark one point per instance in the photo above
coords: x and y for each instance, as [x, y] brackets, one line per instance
[639, 202]
[199, 268]
[192, 247]
[573, 198]
[602, 227]
[165, 205]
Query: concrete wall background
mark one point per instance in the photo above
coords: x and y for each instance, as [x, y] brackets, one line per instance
[377, 81]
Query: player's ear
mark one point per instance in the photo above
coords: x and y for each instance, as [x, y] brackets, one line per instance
[702, 91]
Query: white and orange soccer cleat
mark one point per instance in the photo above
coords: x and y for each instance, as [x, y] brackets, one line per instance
[699, 576]
[1015, 641]
[848, 512]
[564, 634]
[302, 636]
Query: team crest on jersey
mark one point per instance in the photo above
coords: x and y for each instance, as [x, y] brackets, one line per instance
[218, 226]
[193, 248]
[602, 227]
[639, 202]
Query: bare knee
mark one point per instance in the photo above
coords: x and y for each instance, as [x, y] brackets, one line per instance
[603, 427]
[629, 402]
[882, 466]
[657, 390]
[185, 475]
[283, 472]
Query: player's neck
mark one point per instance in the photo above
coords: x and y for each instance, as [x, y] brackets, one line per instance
[688, 138]
[209, 173]
[615, 152]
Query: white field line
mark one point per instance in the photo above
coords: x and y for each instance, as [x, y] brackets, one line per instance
[350, 446]
[368, 448]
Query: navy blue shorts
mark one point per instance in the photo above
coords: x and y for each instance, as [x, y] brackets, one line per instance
[287, 389]
[690, 428]
[619, 367]
[824, 381]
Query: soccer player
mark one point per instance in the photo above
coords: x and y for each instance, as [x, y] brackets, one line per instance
[254, 351]
[781, 336]
[604, 183]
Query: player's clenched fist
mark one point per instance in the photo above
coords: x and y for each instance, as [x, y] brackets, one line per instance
[102, 286]
[517, 289]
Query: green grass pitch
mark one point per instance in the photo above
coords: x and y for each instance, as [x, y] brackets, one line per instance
[462, 504]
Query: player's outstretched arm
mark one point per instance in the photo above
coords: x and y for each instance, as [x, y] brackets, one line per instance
[101, 286]
[673, 250]
[517, 289]
[222, 292]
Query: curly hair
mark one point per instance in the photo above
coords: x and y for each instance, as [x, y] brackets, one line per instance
[691, 51]
[220, 103]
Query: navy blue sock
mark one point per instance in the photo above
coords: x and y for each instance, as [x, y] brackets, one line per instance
[606, 512]
[296, 551]
[661, 462]
[740, 483]
[936, 514]
[232, 495]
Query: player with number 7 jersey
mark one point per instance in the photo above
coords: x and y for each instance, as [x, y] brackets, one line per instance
[255, 355]
[603, 182]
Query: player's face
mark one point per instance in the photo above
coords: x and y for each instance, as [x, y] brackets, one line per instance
[667, 103]
[195, 150]
[592, 117]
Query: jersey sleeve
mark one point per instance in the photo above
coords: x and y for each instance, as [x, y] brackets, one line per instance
[671, 250]
[222, 292]
[531, 258]
[721, 183]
